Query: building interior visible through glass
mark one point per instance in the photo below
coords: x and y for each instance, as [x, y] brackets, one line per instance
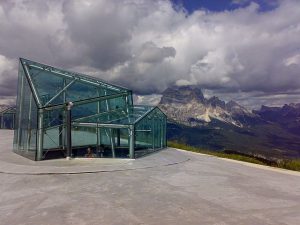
[104, 121]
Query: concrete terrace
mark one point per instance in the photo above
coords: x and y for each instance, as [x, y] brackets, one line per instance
[168, 187]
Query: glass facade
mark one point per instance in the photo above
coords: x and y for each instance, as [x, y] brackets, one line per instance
[7, 118]
[103, 116]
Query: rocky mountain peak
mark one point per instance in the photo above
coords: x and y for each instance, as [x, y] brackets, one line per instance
[268, 109]
[234, 107]
[187, 105]
[182, 94]
[232, 104]
[295, 105]
[215, 101]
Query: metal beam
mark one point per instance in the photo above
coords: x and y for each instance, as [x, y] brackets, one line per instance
[146, 113]
[61, 91]
[100, 125]
[86, 101]
[27, 74]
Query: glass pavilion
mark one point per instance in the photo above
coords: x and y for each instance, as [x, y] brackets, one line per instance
[7, 118]
[103, 116]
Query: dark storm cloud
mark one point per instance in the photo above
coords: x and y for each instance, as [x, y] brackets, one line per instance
[103, 29]
[8, 80]
[9, 87]
[148, 45]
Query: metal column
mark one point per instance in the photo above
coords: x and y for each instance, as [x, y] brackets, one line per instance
[153, 138]
[118, 137]
[60, 131]
[131, 141]
[111, 131]
[29, 123]
[98, 131]
[69, 130]
[112, 140]
[40, 140]
[64, 115]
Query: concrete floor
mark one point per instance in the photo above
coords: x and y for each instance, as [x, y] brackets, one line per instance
[180, 188]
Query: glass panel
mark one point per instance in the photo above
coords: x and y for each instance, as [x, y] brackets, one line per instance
[82, 139]
[105, 136]
[26, 120]
[53, 118]
[79, 91]
[150, 133]
[18, 103]
[84, 110]
[47, 85]
[119, 138]
[84, 136]
[51, 138]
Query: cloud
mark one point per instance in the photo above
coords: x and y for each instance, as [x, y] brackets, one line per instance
[146, 99]
[293, 60]
[8, 86]
[150, 53]
[149, 45]
[8, 77]
[263, 3]
[240, 2]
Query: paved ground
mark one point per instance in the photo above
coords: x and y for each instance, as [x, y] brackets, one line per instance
[180, 188]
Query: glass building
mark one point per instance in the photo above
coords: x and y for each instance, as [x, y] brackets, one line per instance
[103, 117]
[7, 118]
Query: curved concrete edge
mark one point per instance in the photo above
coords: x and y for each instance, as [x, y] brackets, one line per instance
[113, 169]
[264, 167]
[159, 159]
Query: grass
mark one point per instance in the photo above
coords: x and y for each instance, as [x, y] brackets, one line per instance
[290, 164]
[285, 164]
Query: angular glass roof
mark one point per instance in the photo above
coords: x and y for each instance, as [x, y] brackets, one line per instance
[95, 101]
[53, 86]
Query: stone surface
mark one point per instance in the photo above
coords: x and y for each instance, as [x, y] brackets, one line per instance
[201, 190]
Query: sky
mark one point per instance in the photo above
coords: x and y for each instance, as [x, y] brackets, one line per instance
[244, 50]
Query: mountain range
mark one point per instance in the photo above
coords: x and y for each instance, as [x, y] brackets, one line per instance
[210, 123]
